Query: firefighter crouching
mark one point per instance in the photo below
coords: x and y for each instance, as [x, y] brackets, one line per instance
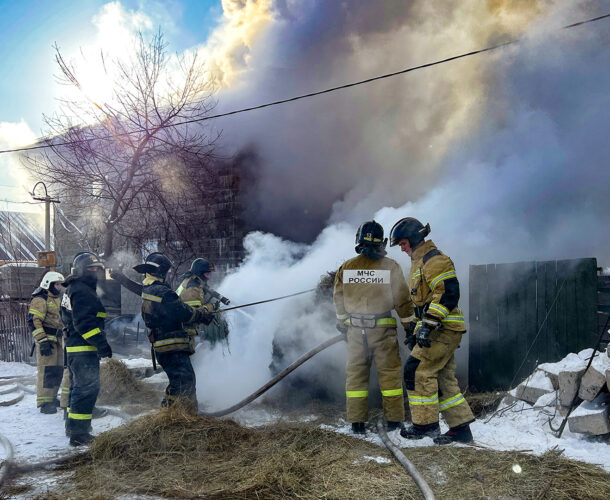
[194, 292]
[430, 369]
[46, 326]
[367, 288]
[164, 315]
[83, 314]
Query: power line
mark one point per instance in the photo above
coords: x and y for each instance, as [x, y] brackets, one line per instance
[305, 96]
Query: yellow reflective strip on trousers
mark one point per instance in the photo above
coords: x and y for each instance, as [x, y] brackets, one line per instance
[80, 416]
[442, 277]
[81, 348]
[37, 331]
[392, 392]
[451, 402]
[152, 298]
[193, 302]
[52, 337]
[161, 343]
[100, 315]
[421, 400]
[356, 394]
[91, 333]
[36, 313]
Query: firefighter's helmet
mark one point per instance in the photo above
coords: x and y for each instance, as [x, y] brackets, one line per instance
[411, 229]
[156, 264]
[201, 266]
[51, 277]
[83, 262]
[370, 234]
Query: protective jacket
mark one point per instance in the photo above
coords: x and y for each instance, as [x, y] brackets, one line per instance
[367, 286]
[193, 291]
[43, 316]
[434, 288]
[366, 290]
[164, 314]
[83, 315]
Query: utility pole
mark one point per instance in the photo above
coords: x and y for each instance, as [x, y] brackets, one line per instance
[47, 215]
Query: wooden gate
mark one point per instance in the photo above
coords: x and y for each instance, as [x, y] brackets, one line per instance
[15, 336]
[548, 308]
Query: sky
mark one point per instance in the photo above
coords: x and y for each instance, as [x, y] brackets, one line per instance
[28, 31]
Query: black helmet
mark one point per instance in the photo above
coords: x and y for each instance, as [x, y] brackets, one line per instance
[370, 234]
[156, 264]
[411, 229]
[199, 267]
[83, 261]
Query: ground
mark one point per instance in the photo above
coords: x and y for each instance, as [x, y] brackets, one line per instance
[273, 452]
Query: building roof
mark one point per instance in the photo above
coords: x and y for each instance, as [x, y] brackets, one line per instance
[21, 236]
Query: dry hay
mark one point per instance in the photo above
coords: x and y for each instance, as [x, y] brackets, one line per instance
[172, 454]
[484, 403]
[118, 386]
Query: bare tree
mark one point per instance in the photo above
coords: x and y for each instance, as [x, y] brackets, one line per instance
[136, 165]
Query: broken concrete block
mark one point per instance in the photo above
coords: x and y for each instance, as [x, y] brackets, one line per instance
[608, 380]
[591, 417]
[594, 379]
[568, 385]
[563, 410]
[534, 386]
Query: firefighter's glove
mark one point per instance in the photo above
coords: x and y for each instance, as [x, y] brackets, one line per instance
[203, 316]
[410, 341]
[46, 348]
[424, 331]
[105, 351]
[209, 307]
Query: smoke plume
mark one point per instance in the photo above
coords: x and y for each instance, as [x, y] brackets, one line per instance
[506, 154]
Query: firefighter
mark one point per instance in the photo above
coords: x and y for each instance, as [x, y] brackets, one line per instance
[367, 288]
[83, 314]
[164, 315]
[430, 369]
[46, 326]
[195, 292]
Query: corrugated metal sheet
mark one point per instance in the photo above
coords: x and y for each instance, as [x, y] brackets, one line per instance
[21, 236]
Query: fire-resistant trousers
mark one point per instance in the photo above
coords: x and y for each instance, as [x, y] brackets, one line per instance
[431, 384]
[179, 370]
[383, 348]
[64, 388]
[85, 377]
[49, 373]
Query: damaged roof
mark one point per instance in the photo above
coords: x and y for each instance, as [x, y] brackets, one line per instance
[21, 236]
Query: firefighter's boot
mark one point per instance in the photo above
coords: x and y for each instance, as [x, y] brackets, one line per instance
[416, 431]
[358, 428]
[459, 434]
[48, 408]
[392, 426]
[80, 439]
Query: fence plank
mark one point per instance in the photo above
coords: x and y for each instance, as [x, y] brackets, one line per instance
[477, 288]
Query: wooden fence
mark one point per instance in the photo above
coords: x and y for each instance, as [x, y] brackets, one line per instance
[15, 336]
[546, 308]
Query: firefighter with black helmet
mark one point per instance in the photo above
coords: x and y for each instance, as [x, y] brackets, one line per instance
[165, 314]
[430, 369]
[83, 315]
[195, 292]
[367, 288]
[46, 327]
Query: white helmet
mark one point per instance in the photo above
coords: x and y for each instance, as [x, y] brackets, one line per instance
[51, 277]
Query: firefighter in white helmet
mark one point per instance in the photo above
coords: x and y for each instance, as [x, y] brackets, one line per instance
[430, 369]
[367, 288]
[46, 327]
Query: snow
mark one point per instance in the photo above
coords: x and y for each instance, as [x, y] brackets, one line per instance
[549, 399]
[539, 380]
[379, 460]
[571, 363]
[601, 362]
[592, 407]
[137, 363]
[11, 369]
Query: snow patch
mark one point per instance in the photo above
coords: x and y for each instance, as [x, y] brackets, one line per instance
[13, 369]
